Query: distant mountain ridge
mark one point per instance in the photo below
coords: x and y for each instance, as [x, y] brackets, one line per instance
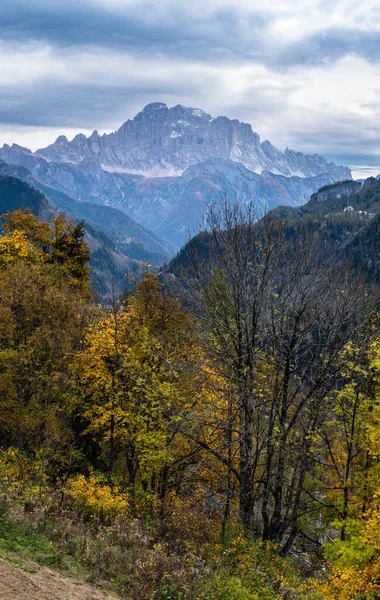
[164, 141]
[171, 207]
[165, 167]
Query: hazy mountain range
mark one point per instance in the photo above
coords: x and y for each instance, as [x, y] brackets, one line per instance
[344, 216]
[166, 166]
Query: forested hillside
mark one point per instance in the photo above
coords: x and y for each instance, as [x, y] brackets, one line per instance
[341, 225]
[227, 452]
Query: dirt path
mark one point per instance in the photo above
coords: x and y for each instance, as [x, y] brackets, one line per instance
[44, 584]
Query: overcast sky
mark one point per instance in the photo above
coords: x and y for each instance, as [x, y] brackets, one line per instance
[304, 73]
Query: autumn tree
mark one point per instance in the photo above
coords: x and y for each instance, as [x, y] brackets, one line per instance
[61, 243]
[142, 377]
[354, 554]
[43, 311]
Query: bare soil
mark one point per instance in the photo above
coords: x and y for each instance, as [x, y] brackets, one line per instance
[41, 583]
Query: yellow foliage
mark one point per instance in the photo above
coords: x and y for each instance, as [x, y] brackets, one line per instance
[20, 475]
[16, 245]
[144, 380]
[94, 496]
[29, 239]
[355, 562]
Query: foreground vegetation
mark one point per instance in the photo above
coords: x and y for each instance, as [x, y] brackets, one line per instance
[227, 452]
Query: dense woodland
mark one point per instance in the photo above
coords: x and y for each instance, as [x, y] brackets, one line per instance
[214, 434]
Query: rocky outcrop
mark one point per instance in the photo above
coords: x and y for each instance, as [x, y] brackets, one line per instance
[341, 189]
[370, 182]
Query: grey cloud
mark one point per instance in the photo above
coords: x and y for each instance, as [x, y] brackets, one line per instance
[146, 27]
[177, 31]
[173, 28]
[341, 140]
[362, 160]
[331, 45]
[90, 105]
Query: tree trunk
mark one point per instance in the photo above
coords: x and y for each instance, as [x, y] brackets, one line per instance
[247, 496]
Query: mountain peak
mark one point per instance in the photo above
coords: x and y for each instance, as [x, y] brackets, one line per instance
[168, 140]
[18, 148]
[189, 110]
[61, 139]
[153, 106]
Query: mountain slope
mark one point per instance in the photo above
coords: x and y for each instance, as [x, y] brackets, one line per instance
[109, 267]
[175, 207]
[171, 207]
[346, 227]
[31, 582]
[115, 223]
[15, 194]
[127, 234]
[364, 250]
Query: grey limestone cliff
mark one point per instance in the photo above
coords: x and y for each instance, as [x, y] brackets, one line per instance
[164, 141]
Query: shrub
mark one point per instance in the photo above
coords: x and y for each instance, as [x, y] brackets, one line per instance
[94, 496]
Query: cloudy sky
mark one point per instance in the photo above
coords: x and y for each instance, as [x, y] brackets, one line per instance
[304, 73]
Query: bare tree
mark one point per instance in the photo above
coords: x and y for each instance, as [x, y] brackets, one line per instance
[278, 315]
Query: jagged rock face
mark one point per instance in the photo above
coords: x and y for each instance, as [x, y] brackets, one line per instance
[165, 141]
[370, 182]
[338, 190]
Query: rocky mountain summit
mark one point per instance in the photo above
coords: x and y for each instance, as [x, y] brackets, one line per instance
[165, 141]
